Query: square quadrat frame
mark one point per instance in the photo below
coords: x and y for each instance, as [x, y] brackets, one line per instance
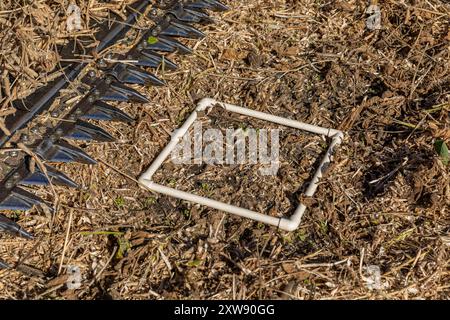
[285, 223]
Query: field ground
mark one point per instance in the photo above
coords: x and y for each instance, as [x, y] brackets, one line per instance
[384, 204]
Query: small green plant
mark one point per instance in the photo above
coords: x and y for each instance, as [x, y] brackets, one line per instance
[123, 244]
[205, 186]
[287, 239]
[86, 196]
[119, 202]
[186, 213]
[182, 116]
[194, 263]
[401, 237]
[150, 201]
[152, 40]
[301, 235]
[124, 247]
[323, 227]
[16, 214]
[243, 127]
[442, 150]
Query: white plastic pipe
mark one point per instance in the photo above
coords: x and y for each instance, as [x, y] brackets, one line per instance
[288, 224]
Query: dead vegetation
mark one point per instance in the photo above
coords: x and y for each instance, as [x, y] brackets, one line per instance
[383, 206]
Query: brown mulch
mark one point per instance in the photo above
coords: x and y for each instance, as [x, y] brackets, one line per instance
[384, 203]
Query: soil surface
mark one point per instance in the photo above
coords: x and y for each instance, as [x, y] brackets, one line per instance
[379, 223]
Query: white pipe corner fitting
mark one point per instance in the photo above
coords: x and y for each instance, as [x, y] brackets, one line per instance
[206, 103]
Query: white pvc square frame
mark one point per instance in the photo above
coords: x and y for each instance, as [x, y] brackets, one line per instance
[285, 223]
